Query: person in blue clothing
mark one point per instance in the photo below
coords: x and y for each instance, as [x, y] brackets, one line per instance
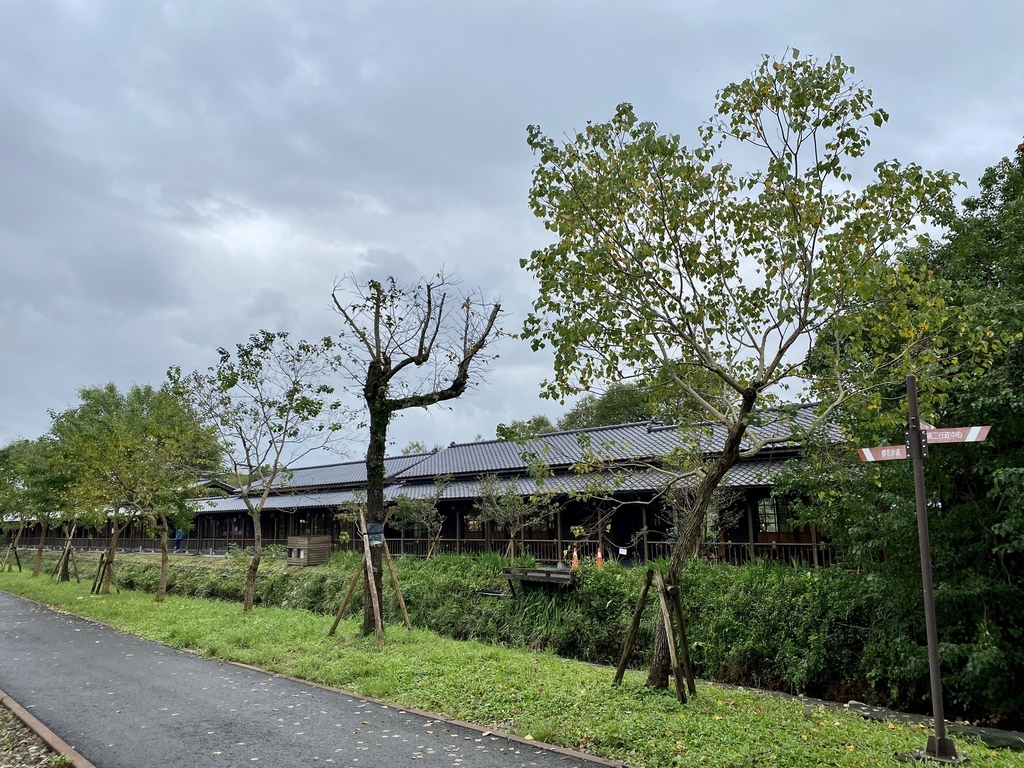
[178, 538]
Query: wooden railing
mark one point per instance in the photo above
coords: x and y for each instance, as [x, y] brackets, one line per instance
[543, 550]
[739, 552]
[203, 545]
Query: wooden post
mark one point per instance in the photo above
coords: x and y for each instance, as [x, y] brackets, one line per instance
[99, 574]
[647, 552]
[396, 586]
[814, 545]
[378, 620]
[666, 617]
[752, 511]
[627, 649]
[559, 552]
[684, 648]
[348, 596]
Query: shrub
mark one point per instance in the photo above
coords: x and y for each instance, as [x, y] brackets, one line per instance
[825, 633]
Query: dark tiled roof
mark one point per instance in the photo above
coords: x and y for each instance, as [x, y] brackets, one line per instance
[329, 485]
[643, 440]
[348, 473]
[745, 474]
[286, 502]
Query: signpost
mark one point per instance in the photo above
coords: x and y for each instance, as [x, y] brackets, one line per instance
[919, 435]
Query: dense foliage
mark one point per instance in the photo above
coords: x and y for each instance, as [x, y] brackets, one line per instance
[975, 491]
[827, 632]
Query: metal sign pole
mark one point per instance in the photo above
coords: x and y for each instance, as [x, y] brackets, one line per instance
[939, 746]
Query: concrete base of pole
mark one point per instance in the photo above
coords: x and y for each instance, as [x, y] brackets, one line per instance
[939, 750]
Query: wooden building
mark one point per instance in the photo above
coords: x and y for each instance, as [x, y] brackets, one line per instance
[629, 518]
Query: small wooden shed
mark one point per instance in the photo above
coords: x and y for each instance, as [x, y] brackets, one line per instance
[309, 550]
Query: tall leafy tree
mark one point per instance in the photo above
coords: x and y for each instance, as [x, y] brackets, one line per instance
[620, 403]
[407, 347]
[32, 485]
[180, 451]
[134, 455]
[271, 405]
[976, 491]
[673, 262]
[522, 429]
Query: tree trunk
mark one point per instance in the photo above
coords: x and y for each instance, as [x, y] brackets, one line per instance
[44, 530]
[686, 544]
[108, 569]
[690, 532]
[63, 564]
[13, 548]
[161, 587]
[435, 543]
[375, 511]
[254, 565]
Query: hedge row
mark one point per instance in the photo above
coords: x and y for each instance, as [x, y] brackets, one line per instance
[824, 632]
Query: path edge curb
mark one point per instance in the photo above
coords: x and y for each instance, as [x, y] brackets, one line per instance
[51, 739]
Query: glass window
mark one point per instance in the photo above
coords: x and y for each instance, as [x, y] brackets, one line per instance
[773, 515]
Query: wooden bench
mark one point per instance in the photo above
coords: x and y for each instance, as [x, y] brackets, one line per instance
[557, 577]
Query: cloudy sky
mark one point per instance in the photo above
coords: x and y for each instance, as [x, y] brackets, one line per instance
[177, 175]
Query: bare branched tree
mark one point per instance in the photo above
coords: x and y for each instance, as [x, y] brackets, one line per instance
[407, 347]
[271, 406]
[502, 503]
[422, 512]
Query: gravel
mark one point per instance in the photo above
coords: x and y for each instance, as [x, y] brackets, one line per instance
[19, 746]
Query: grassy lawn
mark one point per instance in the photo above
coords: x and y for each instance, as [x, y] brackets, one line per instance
[530, 694]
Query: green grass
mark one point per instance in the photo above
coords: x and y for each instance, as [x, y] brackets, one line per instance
[530, 694]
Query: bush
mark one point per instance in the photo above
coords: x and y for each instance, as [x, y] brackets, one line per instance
[825, 633]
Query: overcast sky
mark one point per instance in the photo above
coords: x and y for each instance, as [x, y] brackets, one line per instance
[175, 176]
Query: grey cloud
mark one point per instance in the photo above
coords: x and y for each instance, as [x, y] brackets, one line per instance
[177, 175]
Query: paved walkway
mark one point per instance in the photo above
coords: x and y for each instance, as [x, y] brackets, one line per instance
[123, 702]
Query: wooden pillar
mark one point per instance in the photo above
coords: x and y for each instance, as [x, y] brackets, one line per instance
[752, 512]
[643, 521]
[558, 531]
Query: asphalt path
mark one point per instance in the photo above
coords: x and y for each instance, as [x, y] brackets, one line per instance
[124, 702]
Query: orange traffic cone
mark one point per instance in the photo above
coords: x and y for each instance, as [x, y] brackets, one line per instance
[599, 560]
[575, 565]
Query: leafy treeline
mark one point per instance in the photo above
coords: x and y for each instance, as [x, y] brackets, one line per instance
[114, 459]
[975, 491]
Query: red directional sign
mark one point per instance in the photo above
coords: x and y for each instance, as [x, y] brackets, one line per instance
[932, 435]
[957, 434]
[883, 453]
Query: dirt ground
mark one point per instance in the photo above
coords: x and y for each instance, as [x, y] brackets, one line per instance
[19, 747]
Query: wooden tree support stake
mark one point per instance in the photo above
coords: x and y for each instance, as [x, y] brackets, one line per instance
[348, 595]
[378, 620]
[684, 646]
[670, 634]
[12, 550]
[105, 565]
[63, 570]
[99, 574]
[627, 650]
[396, 587]
[363, 568]
[671, 611]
